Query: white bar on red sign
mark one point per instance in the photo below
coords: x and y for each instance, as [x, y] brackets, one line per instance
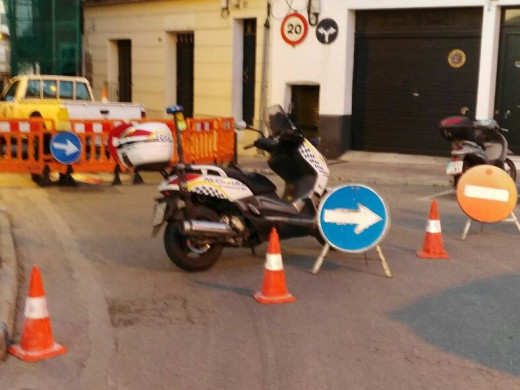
[486, 193]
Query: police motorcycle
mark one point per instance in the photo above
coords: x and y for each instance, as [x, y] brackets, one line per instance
[475, 143]
[207, 207]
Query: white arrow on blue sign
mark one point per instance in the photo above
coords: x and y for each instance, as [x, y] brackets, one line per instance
[66, 147]
[353, 218]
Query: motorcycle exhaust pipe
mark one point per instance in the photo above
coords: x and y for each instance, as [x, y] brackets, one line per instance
[207, 228]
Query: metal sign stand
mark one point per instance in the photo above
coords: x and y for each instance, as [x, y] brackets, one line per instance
[512, 219]
[326, 248]
[321, 257]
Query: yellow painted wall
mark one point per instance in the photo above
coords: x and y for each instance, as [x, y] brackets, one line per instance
[151, 26]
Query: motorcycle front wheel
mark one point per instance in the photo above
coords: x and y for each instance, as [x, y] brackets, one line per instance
[185, 252]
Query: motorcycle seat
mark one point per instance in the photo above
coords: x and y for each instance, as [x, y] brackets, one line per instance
[257, 183]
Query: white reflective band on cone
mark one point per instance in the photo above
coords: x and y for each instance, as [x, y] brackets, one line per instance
[36, 308]
[273, 262]
[433, 226]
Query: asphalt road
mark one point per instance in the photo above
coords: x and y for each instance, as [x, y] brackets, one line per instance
[132, 320]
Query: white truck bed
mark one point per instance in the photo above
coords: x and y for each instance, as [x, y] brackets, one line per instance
[102, 110]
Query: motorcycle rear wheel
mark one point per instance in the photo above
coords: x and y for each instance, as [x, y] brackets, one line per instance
[187, 254]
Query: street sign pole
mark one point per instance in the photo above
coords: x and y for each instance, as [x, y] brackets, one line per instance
[512, 218]
[326, 248]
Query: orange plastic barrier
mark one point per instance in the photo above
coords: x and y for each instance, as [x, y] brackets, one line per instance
[24, 144]
[226, 147]
[95, 156]
[21, 145]
[202, 140]
[205, 141]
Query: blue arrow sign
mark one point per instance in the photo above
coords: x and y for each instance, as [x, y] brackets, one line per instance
[353, 218]
[66, 147]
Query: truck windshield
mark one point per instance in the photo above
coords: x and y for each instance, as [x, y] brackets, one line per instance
[9, 94]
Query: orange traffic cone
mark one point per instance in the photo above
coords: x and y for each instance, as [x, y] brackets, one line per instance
[274, 289]
[432, 246]
[37, 342]
[104, 95]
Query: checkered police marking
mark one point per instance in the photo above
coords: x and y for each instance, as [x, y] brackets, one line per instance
[310, 156]
[209, 191]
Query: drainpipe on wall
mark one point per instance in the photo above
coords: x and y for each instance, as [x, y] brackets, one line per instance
[265, 64]
[488, 62]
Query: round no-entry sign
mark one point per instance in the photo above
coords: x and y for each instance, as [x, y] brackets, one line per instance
[486, 193]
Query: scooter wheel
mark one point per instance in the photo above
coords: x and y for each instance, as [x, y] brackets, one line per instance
[510, 168]
[455, 181]
[184, 252]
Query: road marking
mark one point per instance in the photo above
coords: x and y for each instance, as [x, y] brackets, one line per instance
[99, 331]
[487, 193]
[429, 197]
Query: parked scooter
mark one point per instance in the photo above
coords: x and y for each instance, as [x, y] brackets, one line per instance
[208, 207]
[475, 143]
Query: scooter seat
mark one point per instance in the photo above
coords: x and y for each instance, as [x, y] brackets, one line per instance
[257, 183]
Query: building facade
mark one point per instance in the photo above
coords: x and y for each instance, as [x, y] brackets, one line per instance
[203, 54]
[5, 48]
[360, 74]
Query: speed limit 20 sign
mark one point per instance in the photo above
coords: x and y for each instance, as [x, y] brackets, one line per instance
[294, 29]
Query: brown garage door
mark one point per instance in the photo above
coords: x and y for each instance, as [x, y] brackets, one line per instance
[413, 68]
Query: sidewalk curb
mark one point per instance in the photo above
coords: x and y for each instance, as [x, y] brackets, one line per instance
[8, 282]
[371, 169]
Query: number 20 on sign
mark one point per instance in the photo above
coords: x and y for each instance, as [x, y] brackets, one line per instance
[294, 29]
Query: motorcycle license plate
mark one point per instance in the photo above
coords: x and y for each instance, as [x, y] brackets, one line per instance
[158, 213]
[454, 167]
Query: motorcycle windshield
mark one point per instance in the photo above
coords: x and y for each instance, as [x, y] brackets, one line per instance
[277, 120]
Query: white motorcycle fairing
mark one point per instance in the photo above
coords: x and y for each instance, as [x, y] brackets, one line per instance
[459, 150]
[211, 181]
[468, 147]
[318, 163]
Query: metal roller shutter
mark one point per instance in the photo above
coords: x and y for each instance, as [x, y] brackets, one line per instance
[413, 68]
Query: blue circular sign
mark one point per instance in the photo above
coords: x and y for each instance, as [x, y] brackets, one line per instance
[327, 31]
[66, 147]
[353, 218]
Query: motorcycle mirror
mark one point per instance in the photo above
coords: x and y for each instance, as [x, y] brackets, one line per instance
[241, 125]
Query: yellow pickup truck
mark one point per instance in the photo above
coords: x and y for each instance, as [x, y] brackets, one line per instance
[58, 99]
